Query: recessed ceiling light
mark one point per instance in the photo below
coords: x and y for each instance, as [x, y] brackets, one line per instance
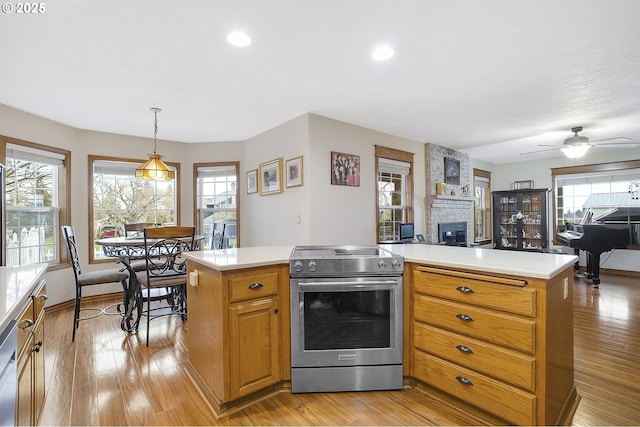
[238, 38]
[382, 53]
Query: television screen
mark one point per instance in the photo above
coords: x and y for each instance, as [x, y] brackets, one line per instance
[406, 231]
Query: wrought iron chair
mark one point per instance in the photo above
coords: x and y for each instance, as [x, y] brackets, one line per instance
[218, 237]
[137, 229]
[91, 278]
[166, 271]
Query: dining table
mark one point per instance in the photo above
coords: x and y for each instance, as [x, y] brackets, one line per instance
[128, 250]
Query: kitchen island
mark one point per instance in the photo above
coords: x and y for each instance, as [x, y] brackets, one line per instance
[490, 332]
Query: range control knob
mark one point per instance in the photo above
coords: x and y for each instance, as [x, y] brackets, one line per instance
[312, 266]
[298, 266]
[381, 263]
[395, 263]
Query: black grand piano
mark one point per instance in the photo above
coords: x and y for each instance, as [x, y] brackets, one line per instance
[615, 229]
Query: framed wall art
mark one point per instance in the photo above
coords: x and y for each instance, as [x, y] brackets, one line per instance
[345, 169]
[522, 185]
[252, 181]
[270, 177]
[294, 171]
[451, 171]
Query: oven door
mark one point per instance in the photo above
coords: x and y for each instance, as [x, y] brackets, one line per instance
[346, 322]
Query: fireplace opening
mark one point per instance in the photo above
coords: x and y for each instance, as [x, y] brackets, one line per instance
[452, 233]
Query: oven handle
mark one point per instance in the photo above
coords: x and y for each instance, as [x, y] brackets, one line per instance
[378, 284]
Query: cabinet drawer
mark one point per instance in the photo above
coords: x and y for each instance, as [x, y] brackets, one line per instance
[504, 294]
[253, 285]
[507, 365]
[25, 325]
[498, 328]
[503, 400]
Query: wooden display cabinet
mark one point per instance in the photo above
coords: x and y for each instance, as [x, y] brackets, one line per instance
[521, 219]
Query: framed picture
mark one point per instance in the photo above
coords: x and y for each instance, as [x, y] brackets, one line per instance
[294, 172]
[270, 177]
[345, 169]
[451, 171]
[252, 181]
[522, 185]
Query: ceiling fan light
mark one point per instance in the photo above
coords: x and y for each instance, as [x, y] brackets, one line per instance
[575, 151]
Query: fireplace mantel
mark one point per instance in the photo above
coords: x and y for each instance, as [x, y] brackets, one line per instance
[440, 200]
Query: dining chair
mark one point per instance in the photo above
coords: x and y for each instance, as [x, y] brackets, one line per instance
[166, 271]
[136, 229]
[217, 236]
[82, 280]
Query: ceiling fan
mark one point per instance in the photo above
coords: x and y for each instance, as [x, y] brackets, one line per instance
[576, 146]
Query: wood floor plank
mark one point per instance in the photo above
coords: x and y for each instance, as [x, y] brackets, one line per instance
[110, 378]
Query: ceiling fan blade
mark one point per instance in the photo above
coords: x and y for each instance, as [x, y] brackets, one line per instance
[540, 151]
[612, 139]
[617, 144]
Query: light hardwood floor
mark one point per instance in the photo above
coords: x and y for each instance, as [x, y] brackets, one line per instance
[109, 378]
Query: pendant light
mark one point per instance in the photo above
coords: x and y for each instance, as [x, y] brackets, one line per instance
[154, 168]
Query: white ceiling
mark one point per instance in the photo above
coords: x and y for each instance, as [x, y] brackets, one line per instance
[493, 78]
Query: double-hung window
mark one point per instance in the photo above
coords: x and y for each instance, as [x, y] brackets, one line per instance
[588, 192]
[118, 198]
[217, 196]
[482, 206]
[36, 202]
[395, 191]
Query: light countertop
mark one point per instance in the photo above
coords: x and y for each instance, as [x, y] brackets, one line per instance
[529, 264]
[16, 284]
[237, 258]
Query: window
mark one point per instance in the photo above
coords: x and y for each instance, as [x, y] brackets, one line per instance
[482, 206]
[36, 202]
[593, 190]
[216, 203]
[118, 198]
[395, 191]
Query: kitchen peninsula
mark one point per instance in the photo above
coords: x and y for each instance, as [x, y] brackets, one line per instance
[490, 332]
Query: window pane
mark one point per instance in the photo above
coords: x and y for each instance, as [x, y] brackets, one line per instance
[32, 211]
[119, 198]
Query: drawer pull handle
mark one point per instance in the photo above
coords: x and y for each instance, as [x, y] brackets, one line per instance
[464, 349]
[27, 324]
[256, 285]
[464, 317]
[464, 381]
[465, 289]
[43, 297]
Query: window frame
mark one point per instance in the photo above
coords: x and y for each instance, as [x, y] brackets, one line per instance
[196, 195]
[572, 170]
[382, 152]
[91, 160]
[487, 217]
[63, 196]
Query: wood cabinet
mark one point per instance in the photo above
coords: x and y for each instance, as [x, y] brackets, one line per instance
[31, 389]
[235, 336]
[495, 343]
[520, 219]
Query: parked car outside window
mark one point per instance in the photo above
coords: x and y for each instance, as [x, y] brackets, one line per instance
[107, 231]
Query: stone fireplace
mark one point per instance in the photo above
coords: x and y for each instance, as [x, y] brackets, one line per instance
[455, 204]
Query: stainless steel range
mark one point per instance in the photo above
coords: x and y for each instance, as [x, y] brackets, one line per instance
[346, 318]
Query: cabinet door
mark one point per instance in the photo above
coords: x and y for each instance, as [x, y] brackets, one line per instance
[37, 357]
[254, 342]
[25, 378]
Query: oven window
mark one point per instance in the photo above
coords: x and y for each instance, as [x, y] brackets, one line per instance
[347, 320]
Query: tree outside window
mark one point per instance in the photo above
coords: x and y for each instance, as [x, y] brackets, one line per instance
[119, 198]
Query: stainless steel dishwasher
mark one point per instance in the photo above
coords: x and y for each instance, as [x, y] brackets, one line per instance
[8, 374]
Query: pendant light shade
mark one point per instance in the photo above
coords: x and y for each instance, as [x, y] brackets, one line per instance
[154, 168]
